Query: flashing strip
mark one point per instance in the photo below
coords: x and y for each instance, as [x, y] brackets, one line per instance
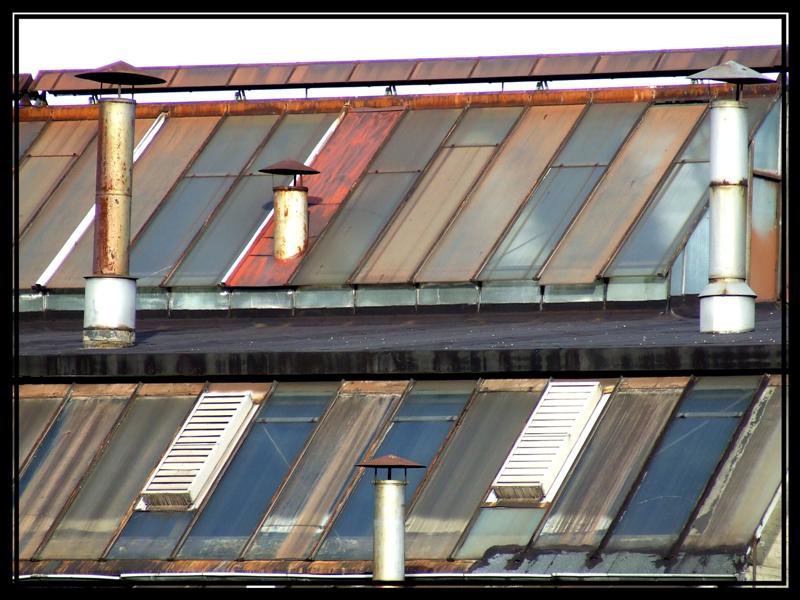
[88, 219]
[317, 149]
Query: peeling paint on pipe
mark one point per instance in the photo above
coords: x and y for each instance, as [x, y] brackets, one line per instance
[291, 221]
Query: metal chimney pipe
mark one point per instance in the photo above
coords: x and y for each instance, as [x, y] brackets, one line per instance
[291, 221]
[727, 303]
[109, 318]
[388, 548]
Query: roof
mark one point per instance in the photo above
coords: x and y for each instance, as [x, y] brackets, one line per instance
[446, 70]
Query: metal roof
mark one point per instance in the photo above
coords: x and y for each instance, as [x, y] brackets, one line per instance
[445, 70]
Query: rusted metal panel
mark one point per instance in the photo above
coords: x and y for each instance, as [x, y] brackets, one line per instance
[258, 391]
[443, 69]
[170, 389]
[374, 387]
[626, 62]
[682, 60]
[246, 75]
[46, 80]
[765, 239]
[383, 71]
[303, 507]
[464, 471]
[419, 221]
[559, 64]
[92, 390]
[503, 187]
[340, 163]
[746, 483]
[45, 390]
[506, 67]
[752, 57]
[154, 174]
[610, 463]
[202, 77]
[60, 463]
[615, 204]
[321, 73]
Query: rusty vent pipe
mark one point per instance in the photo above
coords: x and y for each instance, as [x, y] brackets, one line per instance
[109, 317]
[291, 209]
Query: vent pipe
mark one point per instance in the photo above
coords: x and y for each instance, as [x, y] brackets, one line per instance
[388, 545]
[291, 209]
[109, 317]
[727, 303]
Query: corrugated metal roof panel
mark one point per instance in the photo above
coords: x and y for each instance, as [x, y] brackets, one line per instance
[341, 162]
[613, 207]
[612, 459]
[746, 482]
[154, 174]
[305, 504]
[108, 492]
[60, 462]
[503, 187]
[472, 457]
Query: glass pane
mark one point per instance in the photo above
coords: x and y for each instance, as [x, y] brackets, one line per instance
[500, 526]
[679, 470]
[155, 252]
[252, 478]
[64, 138]
[415, 140]
[60, 462]
[699, 148]
[34, 415]
[305, 504]
[337, 254]
[484, 126]
[153, 175]
[766, 154]
[599, 134]
[504, 186]
[465, 470]
[542, 222]
[418, 224]
[108, 492]
[37, 178]
[232, 145]
[296, 136]
[696, 258]
[609, 465]
[28, 132]
[628, 184]
[417, 440]
[658, 234]
[150, 535]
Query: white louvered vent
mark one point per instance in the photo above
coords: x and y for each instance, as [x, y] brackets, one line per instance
[550, 434]
[198, 451]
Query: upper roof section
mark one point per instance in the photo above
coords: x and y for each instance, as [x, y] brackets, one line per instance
[430, 71]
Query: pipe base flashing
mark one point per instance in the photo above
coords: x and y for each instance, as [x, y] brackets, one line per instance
[108, 338]
[727, 313]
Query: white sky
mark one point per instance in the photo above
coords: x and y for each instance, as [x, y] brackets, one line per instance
[78, 43]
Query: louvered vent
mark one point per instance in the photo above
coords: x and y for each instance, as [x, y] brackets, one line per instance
[198, 451]
[550, 434]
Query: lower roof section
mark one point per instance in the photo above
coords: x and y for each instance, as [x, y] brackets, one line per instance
[530, 343]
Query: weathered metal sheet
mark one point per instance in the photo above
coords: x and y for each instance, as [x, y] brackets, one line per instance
[321, 73]
[746, 482]
[502, 189]
[461, 476]
[108, 492]
[23, 82]
[251, 198]
[616, 203]
[170, 389]
[503, 67]
[443, 69]
[512, 385]
[765, 238]
[375, 199]
[626, 62]
[761, 56]
[394, 71]
[153, 175]
[484, 126]
[247, 75]
[34, 415]
[610, 463]
[564, 63]
[60, 462]
[43, 390]
[341, 162]
[28, 132]
[202, 76]
[682, 60]
[304, 506]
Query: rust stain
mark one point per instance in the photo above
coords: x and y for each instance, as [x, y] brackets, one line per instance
[340, 164]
